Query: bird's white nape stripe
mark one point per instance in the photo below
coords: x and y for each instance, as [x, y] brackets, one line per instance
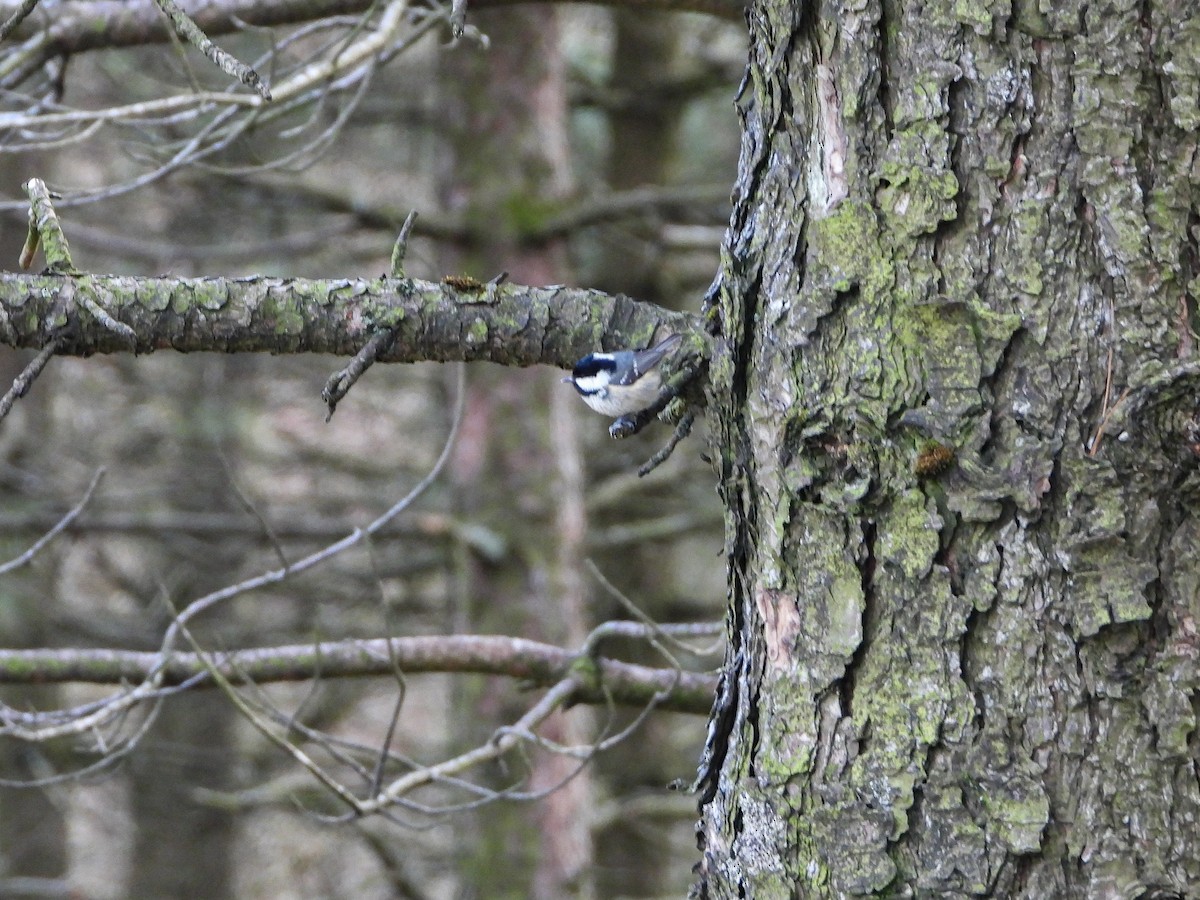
[590, 384]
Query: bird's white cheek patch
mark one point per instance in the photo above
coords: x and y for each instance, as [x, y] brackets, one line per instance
[591, 384]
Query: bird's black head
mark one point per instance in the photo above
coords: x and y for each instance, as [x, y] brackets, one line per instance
[592, 365]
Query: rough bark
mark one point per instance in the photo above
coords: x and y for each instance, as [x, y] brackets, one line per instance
[956, 442]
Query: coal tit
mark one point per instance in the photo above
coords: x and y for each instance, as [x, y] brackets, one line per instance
[621, 383]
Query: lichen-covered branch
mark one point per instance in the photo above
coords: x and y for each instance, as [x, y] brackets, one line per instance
[509, 324]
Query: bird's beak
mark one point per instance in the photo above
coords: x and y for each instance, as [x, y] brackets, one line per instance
[568, 380]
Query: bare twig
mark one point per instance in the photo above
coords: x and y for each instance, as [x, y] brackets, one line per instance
[96, 715]
[400, 248]
[263, 726]
[348, 68]
[66, 520]
[24, 381]
[458, 17]
[682, 429]
[518, 658]
[376, 42]
[111, 753]
[17, 18]
[83, 25]
[226, 62]
[667, 633]
[252, 508]
[554, 699]
[339, 383]
[202, 604]
[99, 313]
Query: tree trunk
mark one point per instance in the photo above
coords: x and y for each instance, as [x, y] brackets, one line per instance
[957, 444]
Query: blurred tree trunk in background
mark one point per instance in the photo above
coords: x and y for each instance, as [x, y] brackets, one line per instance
[509, 162]
[32, 822]
[181, 847]
[644, 121]
[957, 430]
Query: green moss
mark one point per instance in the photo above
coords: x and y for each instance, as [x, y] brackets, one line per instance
[209, 295]
[1029, 18]
[904, 786]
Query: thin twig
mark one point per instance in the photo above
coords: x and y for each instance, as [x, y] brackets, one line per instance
[263, 727]
[1100, 429]
[458, 17]
[339, 383]
[349, 68]
[400, 248]
[554, 699]
[252, 508]
[24, 381]
[50, 535]
[104, 711]
[226, 62]
[111, 754]
[202, 604]
[101, 315]
[17, 18]
[659, 630]
[682, 429]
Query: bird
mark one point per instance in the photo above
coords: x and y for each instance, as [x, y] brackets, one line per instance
[623, 382]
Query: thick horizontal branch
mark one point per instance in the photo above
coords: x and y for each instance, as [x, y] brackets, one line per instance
[79, 25]
[531, 661]
[508, 324]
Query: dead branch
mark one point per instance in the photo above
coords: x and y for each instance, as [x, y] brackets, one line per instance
[532, 661]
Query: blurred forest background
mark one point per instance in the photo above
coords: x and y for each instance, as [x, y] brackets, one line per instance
[582, 146]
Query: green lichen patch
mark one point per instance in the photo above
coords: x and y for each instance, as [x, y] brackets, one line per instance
[908, 534]
[1017, 811]
[916, 199]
